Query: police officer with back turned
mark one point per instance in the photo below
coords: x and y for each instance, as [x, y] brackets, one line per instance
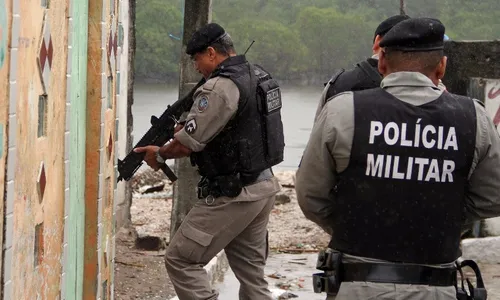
[234, 135]
[365, 74]
[394, 172]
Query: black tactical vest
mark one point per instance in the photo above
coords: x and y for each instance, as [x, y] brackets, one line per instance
[364, 76]
[253, 140]
[402, 196]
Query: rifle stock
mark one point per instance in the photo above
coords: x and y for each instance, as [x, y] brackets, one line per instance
[160, 132]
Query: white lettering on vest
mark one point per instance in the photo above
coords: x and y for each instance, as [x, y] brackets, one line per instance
[427, 170]
[411, 168]
[430, 137]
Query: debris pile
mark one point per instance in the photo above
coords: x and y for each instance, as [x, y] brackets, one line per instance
[289, 230]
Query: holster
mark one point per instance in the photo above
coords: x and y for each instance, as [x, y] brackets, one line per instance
[328, 281]
[471, 293]
[229, 186]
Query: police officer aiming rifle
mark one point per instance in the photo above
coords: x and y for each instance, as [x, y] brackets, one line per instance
[234, 135]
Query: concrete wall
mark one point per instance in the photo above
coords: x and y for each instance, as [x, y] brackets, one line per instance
[473, 69]
[492, 100]
[122, 203]
[488, 91]
[492, 106]
[468, 59]
[43, 52]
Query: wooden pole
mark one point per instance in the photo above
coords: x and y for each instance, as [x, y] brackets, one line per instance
[127, 218]
[197, 13]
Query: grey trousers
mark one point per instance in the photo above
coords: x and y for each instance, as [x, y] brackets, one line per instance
[239, 226]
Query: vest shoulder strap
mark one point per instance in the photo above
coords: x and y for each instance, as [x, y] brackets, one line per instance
[334, 77]
[373, 74]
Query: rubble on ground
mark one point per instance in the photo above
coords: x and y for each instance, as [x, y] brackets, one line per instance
[289, 230]
[282, 198]
[482, 250]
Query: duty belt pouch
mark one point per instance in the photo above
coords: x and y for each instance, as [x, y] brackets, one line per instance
[471, 293]
[203, 188]
[269, 104]
[329, 281]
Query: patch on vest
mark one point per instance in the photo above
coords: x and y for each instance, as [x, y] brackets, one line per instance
[273, 100]
[191, 126]
[412, 168]
[202, 104]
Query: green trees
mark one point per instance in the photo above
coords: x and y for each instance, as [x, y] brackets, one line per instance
[299, 39]
[277, 47]
[333, 39]
[157, 54]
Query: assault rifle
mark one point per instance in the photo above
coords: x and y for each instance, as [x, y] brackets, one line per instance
[161, 131]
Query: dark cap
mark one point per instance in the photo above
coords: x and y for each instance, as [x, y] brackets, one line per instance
[388, 23]
[416, 34]
[204, 37]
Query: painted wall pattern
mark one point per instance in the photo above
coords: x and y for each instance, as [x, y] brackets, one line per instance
[36, 60]
[38, 214]
[110, 76]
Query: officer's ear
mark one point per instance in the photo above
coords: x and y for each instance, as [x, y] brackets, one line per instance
[382, 63]
[441, 68]
[376, 44]
[211, 53]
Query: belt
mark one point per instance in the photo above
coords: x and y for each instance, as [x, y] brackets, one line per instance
[399, 274]
[230, 185]
[248, 179]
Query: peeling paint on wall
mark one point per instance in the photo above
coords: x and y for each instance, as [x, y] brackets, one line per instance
[3, 32]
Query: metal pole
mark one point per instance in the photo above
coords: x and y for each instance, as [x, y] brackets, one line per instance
[402, 7]
[178, 38]
[130, 100]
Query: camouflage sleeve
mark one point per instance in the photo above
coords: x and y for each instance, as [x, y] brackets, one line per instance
[216, 102]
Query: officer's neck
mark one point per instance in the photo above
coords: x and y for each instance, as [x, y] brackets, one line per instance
[432, 76]
[435, 80]
[221, 58]
[219, 61]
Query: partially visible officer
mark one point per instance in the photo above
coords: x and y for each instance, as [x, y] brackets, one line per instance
[365, 74]
[394, 172]
[234, 134]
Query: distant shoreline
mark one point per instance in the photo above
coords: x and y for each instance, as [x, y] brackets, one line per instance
[306, 81]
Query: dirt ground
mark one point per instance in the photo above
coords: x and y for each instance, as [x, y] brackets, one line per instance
[141, 274]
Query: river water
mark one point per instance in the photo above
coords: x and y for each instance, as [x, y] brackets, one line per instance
[299, 107]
